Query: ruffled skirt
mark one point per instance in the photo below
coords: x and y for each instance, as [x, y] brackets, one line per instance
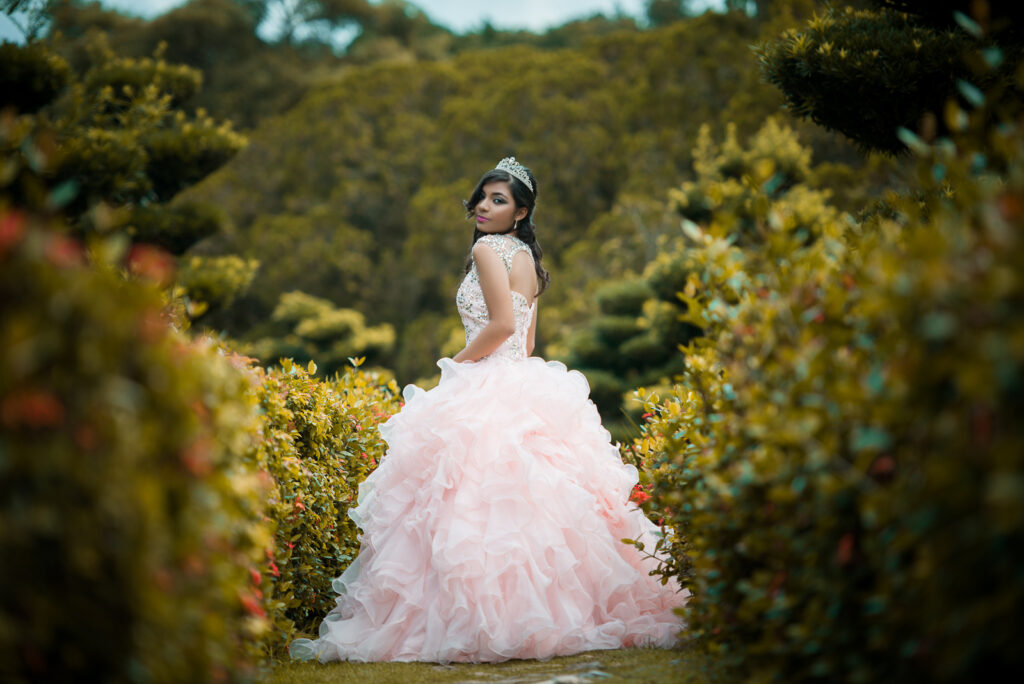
[492, 530]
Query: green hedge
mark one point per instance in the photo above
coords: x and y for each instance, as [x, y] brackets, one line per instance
[319, 441]
[842, 461]
[177, 513]
[130, 508]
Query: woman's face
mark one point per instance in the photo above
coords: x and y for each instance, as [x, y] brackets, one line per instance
[496, 212]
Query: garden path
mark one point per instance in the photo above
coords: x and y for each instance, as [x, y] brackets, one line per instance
[636, 666]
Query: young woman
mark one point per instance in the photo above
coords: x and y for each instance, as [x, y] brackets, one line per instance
[492, 528]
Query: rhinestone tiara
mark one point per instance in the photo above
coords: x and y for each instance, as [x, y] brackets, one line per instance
[516, 169]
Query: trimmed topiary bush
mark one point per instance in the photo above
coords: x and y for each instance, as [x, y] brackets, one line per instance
[867, 73]
[108, 149]
[309, 328]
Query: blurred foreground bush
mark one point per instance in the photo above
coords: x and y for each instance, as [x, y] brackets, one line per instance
[843, 459]
[174, 513]
[129, 505]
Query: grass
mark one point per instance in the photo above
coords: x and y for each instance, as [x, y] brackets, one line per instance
[635, 665]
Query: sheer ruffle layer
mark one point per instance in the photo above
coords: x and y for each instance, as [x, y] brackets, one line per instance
[491, 530]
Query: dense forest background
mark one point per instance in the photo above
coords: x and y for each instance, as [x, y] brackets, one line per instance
[342, 215]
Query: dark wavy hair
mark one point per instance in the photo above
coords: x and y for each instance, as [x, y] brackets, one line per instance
[526, 231]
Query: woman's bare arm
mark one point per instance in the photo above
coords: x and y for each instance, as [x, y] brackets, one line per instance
[498, 296]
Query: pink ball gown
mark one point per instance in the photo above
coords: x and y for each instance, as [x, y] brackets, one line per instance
[492, 527]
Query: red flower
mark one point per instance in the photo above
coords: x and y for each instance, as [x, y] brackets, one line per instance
[86, 438]
[1010, 206]
[151, 263]
[273, 569]
[196, 458]
[252, 604]
[12, 227]
[152, 326]
[883, 465]
[63, 251]
[844, 554]
[32, 408]
[639, 496]
[254, 576]
[300, 506]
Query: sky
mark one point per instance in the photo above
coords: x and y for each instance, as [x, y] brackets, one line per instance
[457, 15]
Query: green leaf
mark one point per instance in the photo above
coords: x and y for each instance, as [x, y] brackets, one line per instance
[870, 439]
[970, 92]
[967, 24]
[61, 195]
[910, 139]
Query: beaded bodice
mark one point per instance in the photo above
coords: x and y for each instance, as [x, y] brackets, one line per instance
[473, 309]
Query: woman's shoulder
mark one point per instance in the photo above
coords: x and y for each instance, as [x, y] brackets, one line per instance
[505, 246]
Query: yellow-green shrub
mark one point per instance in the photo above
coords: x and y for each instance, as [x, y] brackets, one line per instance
[309, 328]
[634, 338]
[842, 456]
[216, 280]
[320, 440]
[129, 506]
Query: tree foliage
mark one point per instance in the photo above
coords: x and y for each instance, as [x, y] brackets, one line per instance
[111, 139]
[869, 73]
[370, 220]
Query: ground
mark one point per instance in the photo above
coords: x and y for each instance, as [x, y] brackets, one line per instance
[636, 665]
